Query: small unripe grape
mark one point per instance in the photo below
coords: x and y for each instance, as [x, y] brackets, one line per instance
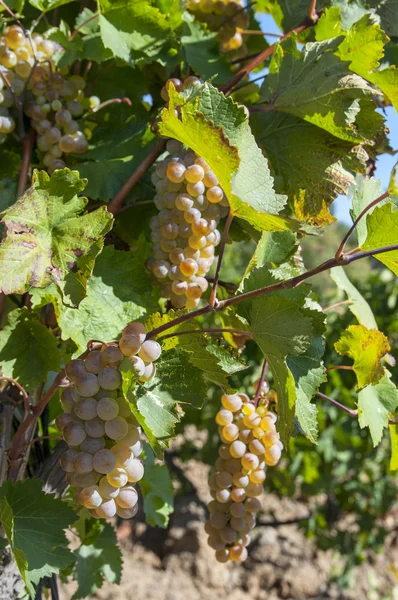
[150, 351]
[75, 368]
[83, 462]
[87, 384]
[117, 478]
[74, 433]
[134, 470]
[138, 365]
[129, 344]
[107, 490]
[92, 445]
[86, 409]
[107, 509]
[126, 513]
[67, 459]
[117, 428]
[109, 378]
[92, 362]
[104, 461]
[90, 496]
[127, 497]
[95, 428]
[231, 402]
[107, 409]
[224, 417]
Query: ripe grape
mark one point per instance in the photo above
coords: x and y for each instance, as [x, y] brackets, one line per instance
[117, 478]
[83, 462]
[127, 497]
[86, 409]
[117, 428]
[107, 409]
[87, 384]
[150, 351]
[129, 344]
[107, 490]
[104, 461]
[74, 433]
[90, 497]
[238, 482]
[134, 470]
[107, 509]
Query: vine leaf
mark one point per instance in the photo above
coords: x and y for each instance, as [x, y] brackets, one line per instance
[317, 86]
[358, 305]
[157, 490]
[96, 561]
[28, 351]
[382, 230]
[34, 524]
[366, 347]
[47, 5]
[394, 447]
[156, 404]
[375, 403]
[119, 291]
[47, 240]
[216, 362]
[237, 161]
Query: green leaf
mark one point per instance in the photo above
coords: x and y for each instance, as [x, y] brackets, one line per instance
[309, 373]
[157, 490]
[48, 240]
[96, 562]
[316, 86]
[216, 362]
[310, 165]
[47, 5]
[366, 347]
[34, 522]
[286, 390]
[382, 230]
[202, 51]
[237, 161]
[328, 25]
[274, 248]
[375, 403]
[119, 291]
[363, 192]
[28, 351]
[155, 404]
[394, 447]
[134, 31]
[358, 305]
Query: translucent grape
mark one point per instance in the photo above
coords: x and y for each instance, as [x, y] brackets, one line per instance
[136, 328]
[129, 344]
[83, 462]
[107, 509]
[107, 490]
[126, 513]
[86, 409]
[117, 478]
[127, 497]
[117, 428]
[95, 428]
[107, 409]
[138, 365]
[104, 461]
[87, 384]
[90, 497]
[92, 362]
[75, 368]
[150, 351]
[134, 470]
[67, 460]
[109, 378]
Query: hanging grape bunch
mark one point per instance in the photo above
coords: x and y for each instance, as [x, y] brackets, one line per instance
[102, 463]
[184, 233]
[51, 100]
[250, 443]
[228, 18]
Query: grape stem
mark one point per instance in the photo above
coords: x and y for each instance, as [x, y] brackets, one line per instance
[209, 331]
[287, 284]
[213, 294]
[347, 236]
[340, 368]
[337, 304]
[8, 9]
[349, 411]
[111, 101]
[28, 145]
[260, 383]
[117, 201]
[21, 389]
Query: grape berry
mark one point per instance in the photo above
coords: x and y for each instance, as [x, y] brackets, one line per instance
[250, 443]
[102, 463]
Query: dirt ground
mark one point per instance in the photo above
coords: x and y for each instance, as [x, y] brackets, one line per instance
[177, 563]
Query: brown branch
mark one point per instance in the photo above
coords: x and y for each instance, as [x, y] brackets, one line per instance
[28, 145]
[349, 411]
[311, 14]
[260, 383]
[340, 368]
[340, 249]
[111, 101]
[117, 201]
[21, 389]
[209, 331]
[337, 304]
[280, 285]
[259, 58]
[213, 295]
[257, 32]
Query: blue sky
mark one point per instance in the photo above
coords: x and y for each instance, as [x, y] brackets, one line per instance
[385, 162]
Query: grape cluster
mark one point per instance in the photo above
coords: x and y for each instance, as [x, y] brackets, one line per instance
[51, 100]
[250, 443]
[184, 232]
[102, 463]
[224, 16]
[179, 85]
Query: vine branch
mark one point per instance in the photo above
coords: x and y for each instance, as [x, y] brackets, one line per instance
[349, 411]
[213, 294]
[21, 389]
[347, 236]
[260, 383]
[117, 202]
